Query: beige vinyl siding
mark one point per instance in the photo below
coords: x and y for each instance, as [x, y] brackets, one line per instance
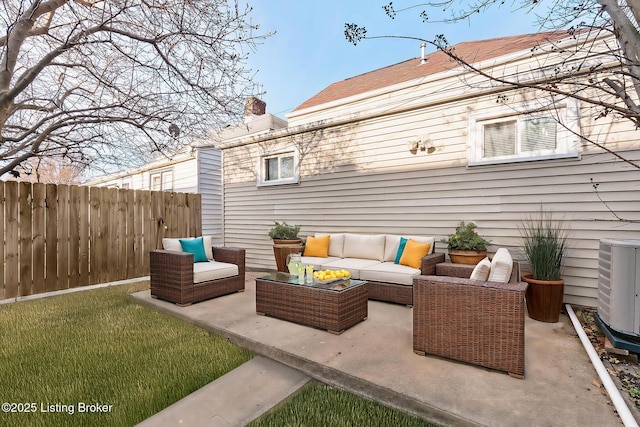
[361, 178]
[209, 175]
[432, 202]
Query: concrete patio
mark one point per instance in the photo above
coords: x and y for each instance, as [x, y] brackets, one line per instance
[375, 359]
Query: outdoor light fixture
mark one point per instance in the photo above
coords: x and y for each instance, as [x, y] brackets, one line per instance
[422, 143]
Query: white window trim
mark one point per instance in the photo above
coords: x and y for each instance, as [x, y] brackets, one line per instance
[295, 179]
[161, 173]
[568, 130]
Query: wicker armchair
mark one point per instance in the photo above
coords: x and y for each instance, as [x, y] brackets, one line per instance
[476, 322]
[172, 276]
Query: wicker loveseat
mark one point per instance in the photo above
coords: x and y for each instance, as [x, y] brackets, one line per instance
[176, 278]
[473, 321]
[371, 258]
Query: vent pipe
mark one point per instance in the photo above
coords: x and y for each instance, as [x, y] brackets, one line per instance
[423, 59]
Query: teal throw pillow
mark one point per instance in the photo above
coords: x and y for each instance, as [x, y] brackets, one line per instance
[196, 247]
[403, 242]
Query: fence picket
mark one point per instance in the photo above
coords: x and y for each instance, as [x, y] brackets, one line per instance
[51, 237]
[11, 252]
[38, 268]
[25, 220]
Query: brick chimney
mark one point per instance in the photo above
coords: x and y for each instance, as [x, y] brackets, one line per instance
[254, 107]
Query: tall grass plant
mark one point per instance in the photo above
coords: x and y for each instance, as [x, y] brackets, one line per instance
[545, 245]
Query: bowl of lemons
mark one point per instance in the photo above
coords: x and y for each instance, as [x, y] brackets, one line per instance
[328, 276]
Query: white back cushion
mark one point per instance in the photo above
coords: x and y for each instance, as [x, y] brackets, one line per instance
[171, 244]
[501, 266]
[365, 246]
[482, 270]
[336, 243]
[391, 244]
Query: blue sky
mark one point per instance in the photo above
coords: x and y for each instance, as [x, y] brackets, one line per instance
[309, 51]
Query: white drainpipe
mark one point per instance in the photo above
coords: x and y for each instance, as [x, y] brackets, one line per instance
[614, 393]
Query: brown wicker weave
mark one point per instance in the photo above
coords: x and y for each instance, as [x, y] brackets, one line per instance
[403, 294]
[454, 270]
[481, 323]
[325, 309]
[172, 276]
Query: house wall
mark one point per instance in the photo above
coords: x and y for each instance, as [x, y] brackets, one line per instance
[360, 177]
[184, 176]
[209, 175]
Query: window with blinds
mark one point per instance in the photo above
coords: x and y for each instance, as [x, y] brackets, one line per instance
[519, 136]
[536, 136]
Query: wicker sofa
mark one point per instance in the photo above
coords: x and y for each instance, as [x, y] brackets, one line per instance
[371, 258]
[472, 321]
[176, 278]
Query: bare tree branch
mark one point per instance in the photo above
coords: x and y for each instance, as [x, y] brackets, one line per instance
[90, 79]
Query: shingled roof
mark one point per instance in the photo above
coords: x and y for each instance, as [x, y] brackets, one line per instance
[437, 62]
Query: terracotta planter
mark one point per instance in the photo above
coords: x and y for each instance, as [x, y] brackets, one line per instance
[466, 256]
[544, 299]
[282, 248]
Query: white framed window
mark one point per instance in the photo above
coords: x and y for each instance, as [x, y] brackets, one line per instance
[161, 181]
[279, 167]
[505, 137]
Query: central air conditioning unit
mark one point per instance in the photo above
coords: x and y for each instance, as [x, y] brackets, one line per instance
[619, 292]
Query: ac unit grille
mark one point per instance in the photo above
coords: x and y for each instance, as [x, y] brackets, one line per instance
[604, 282]
[619, 285]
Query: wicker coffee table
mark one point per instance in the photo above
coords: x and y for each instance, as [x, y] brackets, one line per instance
[335, 306]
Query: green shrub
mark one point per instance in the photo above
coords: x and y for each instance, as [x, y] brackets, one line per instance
[466, 238]
[284, 231]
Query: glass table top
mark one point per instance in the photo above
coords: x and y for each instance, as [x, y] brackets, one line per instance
[338, 285]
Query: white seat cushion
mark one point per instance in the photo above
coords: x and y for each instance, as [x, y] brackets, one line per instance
[501, 266]
[482, 270]
[353, 265]
[388, 272]
[317, 261]
[365, 246]
[212, 270]
[171, 244]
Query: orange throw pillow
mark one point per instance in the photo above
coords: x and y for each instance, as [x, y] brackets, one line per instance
[317, 246]
[413, 253]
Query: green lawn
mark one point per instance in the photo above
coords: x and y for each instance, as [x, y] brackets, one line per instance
[320, 405]
[96, 347]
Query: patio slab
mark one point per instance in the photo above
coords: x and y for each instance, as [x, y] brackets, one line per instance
[375, 359]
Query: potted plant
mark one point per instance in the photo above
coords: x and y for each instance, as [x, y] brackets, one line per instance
[285, 241]
[465, 245]
[545, 248]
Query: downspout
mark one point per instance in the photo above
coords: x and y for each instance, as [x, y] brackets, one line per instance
[618, 401]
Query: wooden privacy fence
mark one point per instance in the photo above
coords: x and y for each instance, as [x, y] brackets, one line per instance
[60, 236]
